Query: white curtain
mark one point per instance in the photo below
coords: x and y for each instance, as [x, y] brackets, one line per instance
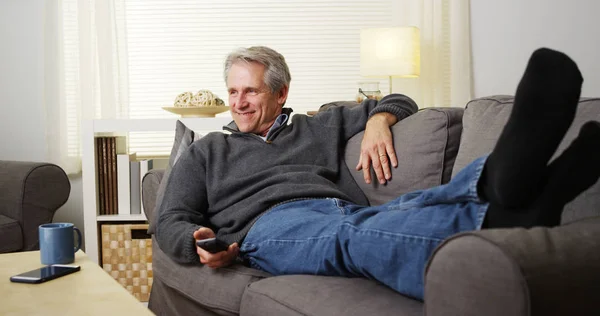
[85, 72]
[445, 78]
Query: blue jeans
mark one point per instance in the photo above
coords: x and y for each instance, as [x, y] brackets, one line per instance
[390, 243]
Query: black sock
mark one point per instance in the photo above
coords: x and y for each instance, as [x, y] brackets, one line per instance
[573, 172]
[544, 108]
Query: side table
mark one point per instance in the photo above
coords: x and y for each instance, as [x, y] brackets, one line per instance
[90, 291]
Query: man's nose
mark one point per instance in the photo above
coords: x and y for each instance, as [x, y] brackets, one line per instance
[240, 100]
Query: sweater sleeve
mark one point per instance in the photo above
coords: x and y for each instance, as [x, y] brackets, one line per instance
[353, 120]
[182, 208]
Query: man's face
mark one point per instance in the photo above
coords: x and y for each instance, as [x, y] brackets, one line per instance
[253, 107]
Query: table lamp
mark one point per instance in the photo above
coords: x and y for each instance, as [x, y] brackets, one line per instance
[392, 52]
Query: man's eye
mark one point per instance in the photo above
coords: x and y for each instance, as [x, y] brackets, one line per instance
[252, 91]
[232, 92]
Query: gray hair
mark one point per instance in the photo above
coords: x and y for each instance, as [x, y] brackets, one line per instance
[277, 73]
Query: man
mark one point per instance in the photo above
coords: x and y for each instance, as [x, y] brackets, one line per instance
[283, 199]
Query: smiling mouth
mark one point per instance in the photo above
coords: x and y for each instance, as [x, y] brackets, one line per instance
[245, 114]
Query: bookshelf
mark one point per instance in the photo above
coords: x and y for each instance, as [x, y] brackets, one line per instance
[92, 128]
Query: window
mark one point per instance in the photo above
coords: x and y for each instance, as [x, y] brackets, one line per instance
[177, 46]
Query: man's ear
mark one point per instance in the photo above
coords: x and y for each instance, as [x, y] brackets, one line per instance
[282, 95]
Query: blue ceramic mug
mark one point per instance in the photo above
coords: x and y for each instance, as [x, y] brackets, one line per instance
[57, 241]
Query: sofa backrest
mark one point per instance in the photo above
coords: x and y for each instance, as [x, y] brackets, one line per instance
[426, 144]
[483, 121]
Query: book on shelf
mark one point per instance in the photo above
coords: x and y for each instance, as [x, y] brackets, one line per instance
[119, 177]
[107, 148]
[124, 180]
[100, 176]
[135, 188]
[145, 166]
[138, 168]
[111, 176]
[115, 183]
[106, 179]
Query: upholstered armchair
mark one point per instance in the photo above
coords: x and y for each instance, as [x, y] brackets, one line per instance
[30, 194]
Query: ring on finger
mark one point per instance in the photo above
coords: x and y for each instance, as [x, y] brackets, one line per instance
[382, 155]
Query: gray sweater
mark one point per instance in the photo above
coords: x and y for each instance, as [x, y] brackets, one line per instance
[225, 182]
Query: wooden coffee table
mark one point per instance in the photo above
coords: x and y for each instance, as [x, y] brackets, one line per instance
[90, 291]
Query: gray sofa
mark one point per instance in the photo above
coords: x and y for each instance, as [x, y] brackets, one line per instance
[30, 194]
[539, 271]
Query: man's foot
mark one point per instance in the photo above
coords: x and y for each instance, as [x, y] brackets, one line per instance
[573, 172]
[545, 105]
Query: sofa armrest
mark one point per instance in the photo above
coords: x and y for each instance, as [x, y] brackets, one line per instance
[31, 194]
[150, 184]
[539, 271]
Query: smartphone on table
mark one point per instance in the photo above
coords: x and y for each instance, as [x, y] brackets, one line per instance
[44, 274]
[212, 245]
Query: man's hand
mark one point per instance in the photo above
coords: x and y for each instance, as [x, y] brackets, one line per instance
[377, 148]
[215, 260]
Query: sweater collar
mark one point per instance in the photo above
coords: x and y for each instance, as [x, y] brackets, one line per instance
[232, 127]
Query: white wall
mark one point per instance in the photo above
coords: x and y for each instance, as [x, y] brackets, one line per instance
[22, 120]
[505, 33]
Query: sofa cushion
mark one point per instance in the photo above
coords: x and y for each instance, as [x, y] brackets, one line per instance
[321, 295]
[10, 234]
[217, 289]
[150, 184]
[483, 121]
[184, 137]
[426, 144]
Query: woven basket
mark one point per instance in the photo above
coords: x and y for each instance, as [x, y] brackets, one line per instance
[127, 257]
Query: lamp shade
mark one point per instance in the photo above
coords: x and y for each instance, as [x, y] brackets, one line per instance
[390, 52]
